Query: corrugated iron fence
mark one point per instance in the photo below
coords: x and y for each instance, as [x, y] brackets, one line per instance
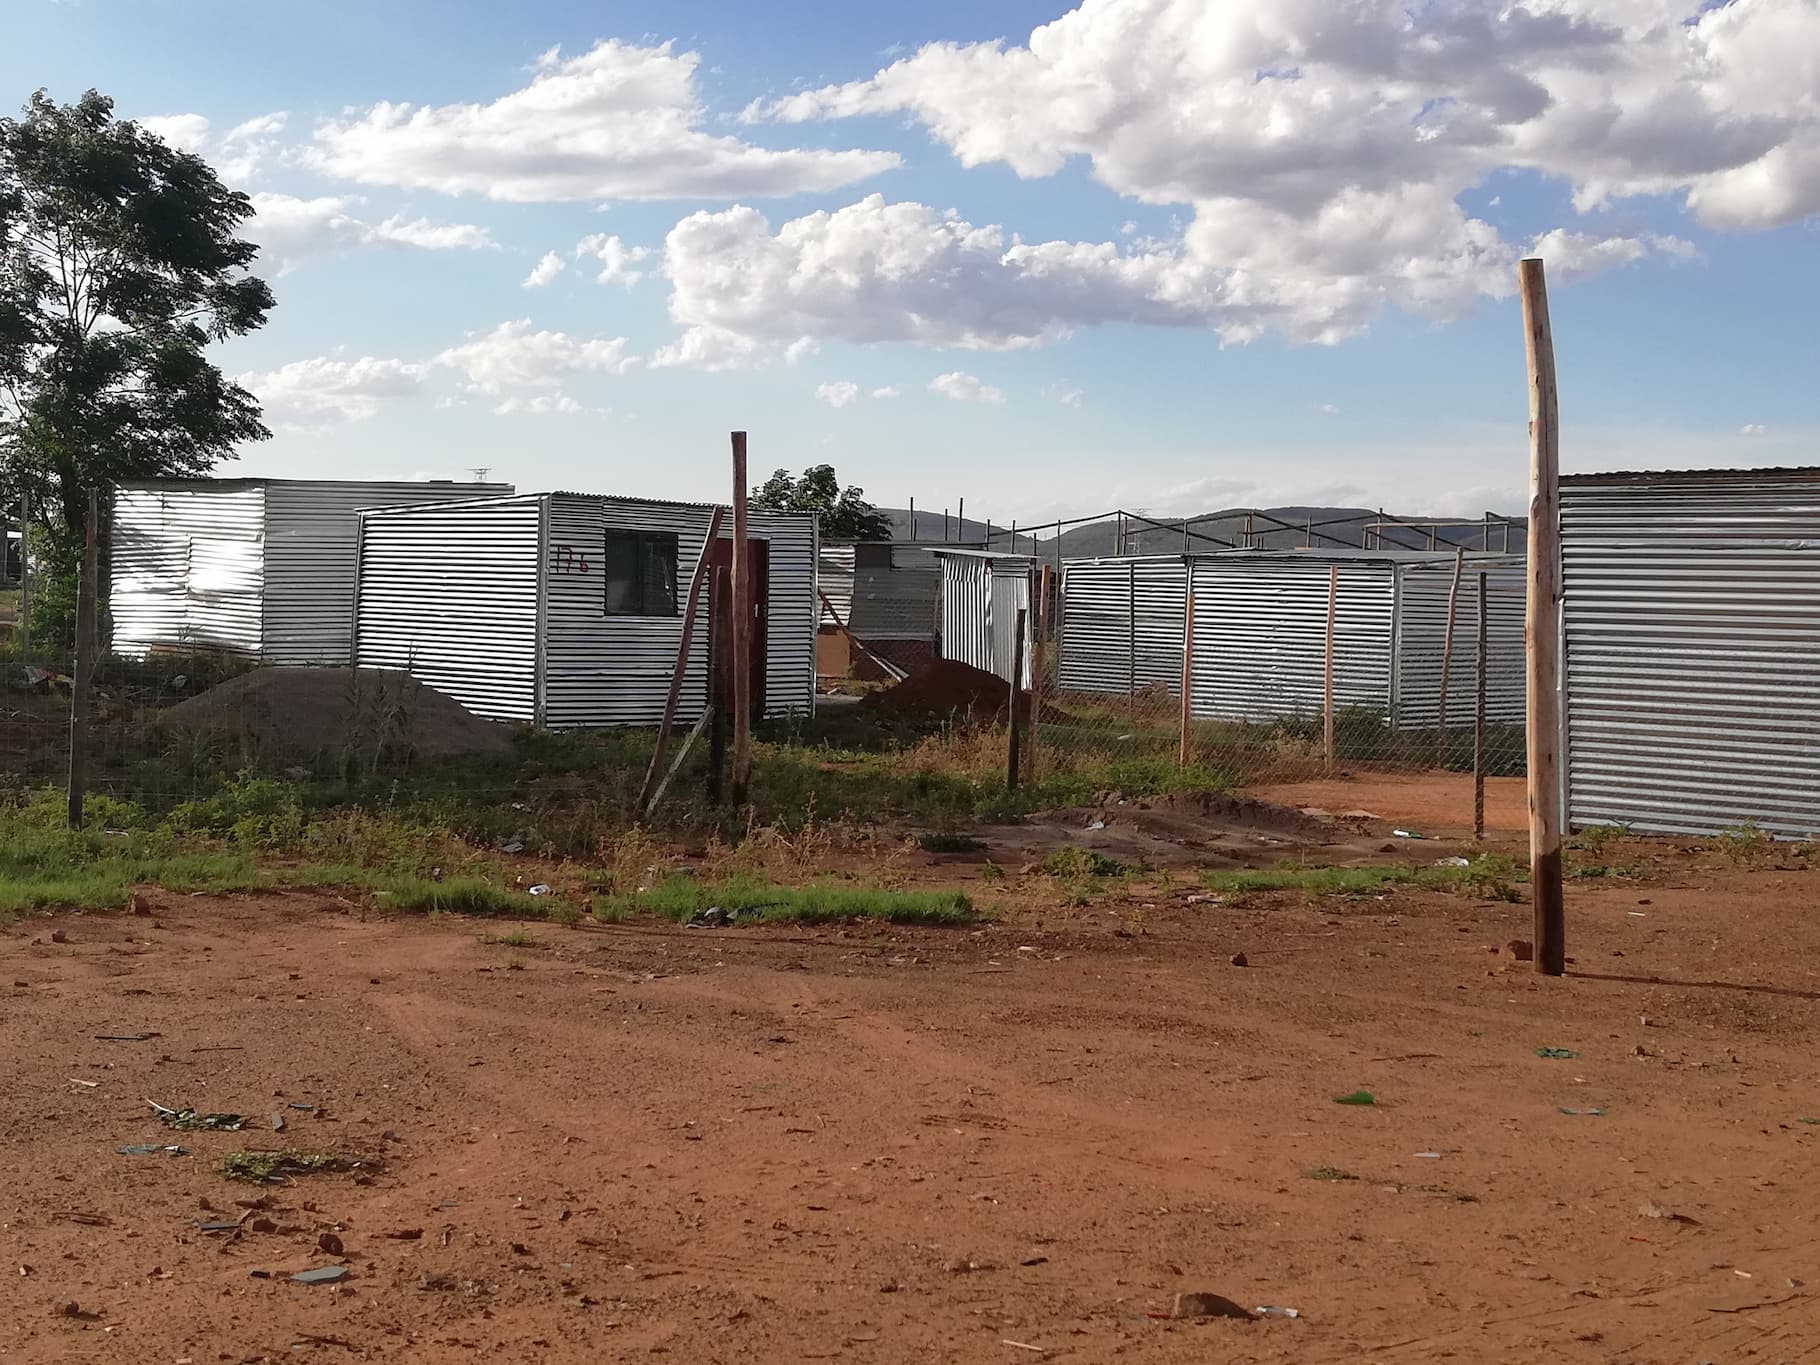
[1262, 667]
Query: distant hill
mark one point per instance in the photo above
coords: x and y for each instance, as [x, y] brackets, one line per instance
[1322, 527]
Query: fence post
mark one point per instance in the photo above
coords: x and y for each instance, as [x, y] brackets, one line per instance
[1017, 680]
[1333, 596]
[85, 666]
[1453, 600]
[1186, 756]
[1478, 729]
[741, 634]
[1542, 624]
[1042, 657]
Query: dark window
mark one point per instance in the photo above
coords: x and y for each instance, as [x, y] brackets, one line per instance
[874, 554]
[641, 573]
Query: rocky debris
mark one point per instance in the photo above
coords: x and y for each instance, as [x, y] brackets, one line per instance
[1518, 950]
[1240, 960]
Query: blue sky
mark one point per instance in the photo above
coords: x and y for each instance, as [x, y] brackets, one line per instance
[1169, 254]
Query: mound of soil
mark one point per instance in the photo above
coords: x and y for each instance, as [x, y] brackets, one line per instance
[308, 711]
[1226, 811]
[945, 691]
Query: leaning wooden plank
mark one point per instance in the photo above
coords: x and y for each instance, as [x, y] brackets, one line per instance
[645, 797]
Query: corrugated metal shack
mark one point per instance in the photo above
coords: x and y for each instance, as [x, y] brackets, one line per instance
[262, 568]
[1691, 659]
[1260, 632]
[982, 593]
[887, 593]
[565, 609]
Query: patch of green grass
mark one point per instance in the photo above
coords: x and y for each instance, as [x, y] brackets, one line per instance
[517, 938]
[1743, 844]
[1075, 864]
[684, 898]
[460, 895]
[1490, 875]
[1330, 1173]
[264, 1168]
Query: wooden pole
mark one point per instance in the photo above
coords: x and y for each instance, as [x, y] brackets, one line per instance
[913, 518]
[1041, 656]
[85, 664]
[1478, 728]
[740, 637]
[1453, 601]
[1542, 625]
[1012, 749]
[718, 630]
[647, 794]
[1333, 602]
[1186, 754]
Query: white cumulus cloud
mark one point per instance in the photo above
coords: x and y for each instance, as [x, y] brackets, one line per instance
[1753, 429]
[615, 257]
[545, 271]
[315, 394]
[619, 121]
[512, 356]
[886, 391]
[289, 230]
[838, 393]
[1321, 150]
[962, 387]
[238, 155]
[904, 272]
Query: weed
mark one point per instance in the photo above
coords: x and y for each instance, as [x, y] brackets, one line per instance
[517, 938]
[465, 895]
[1491, 876]
[563, 913]
[683, 898]
[992, 872]
[1594, 838]
[1330, 1173]
[515, 964]
[1743, 844]
[1076, 864]
[266, 1168]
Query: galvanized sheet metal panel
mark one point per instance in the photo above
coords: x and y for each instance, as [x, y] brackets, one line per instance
[1691, 624]
[449, 594]
[1422, 639]
[187, 567]
[981, 597]
[894, 601]
[1260, 636]
[615, 670]
[1120, 625]
[310, 528]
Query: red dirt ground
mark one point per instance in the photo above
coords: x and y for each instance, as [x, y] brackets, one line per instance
[1436, 804]
[885, 1145]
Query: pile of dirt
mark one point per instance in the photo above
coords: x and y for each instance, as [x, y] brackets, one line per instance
[945, 691]
[1225, 811]
[311, 711]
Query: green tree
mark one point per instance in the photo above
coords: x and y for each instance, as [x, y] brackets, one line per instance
[845, 513]
[119, 264]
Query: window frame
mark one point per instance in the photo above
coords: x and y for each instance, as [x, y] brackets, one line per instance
[644, 545]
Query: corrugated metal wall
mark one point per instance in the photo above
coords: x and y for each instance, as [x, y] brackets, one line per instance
[187, 567]
[1691, 617]
[1260, 636]
[310, 528]
[883, 603]
[615, 670]
[1422, 637]
[449, 593]
[980, 601]
[1120, 624]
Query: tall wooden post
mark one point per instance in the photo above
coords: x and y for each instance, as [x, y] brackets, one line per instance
[1333, 601]
[740, 640]
[1453, 602]
[1013, 751]
[1478, 728]
[1186, 755]
[1542, 625]
[80, 684]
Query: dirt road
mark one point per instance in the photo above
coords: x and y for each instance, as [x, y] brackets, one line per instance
[1017, 1143]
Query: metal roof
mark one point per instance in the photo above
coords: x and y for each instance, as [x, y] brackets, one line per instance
[206, 481]
[1322, 554]
[1792, 473]
[951, 549]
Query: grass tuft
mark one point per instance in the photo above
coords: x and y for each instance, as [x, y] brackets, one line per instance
[684, 898]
